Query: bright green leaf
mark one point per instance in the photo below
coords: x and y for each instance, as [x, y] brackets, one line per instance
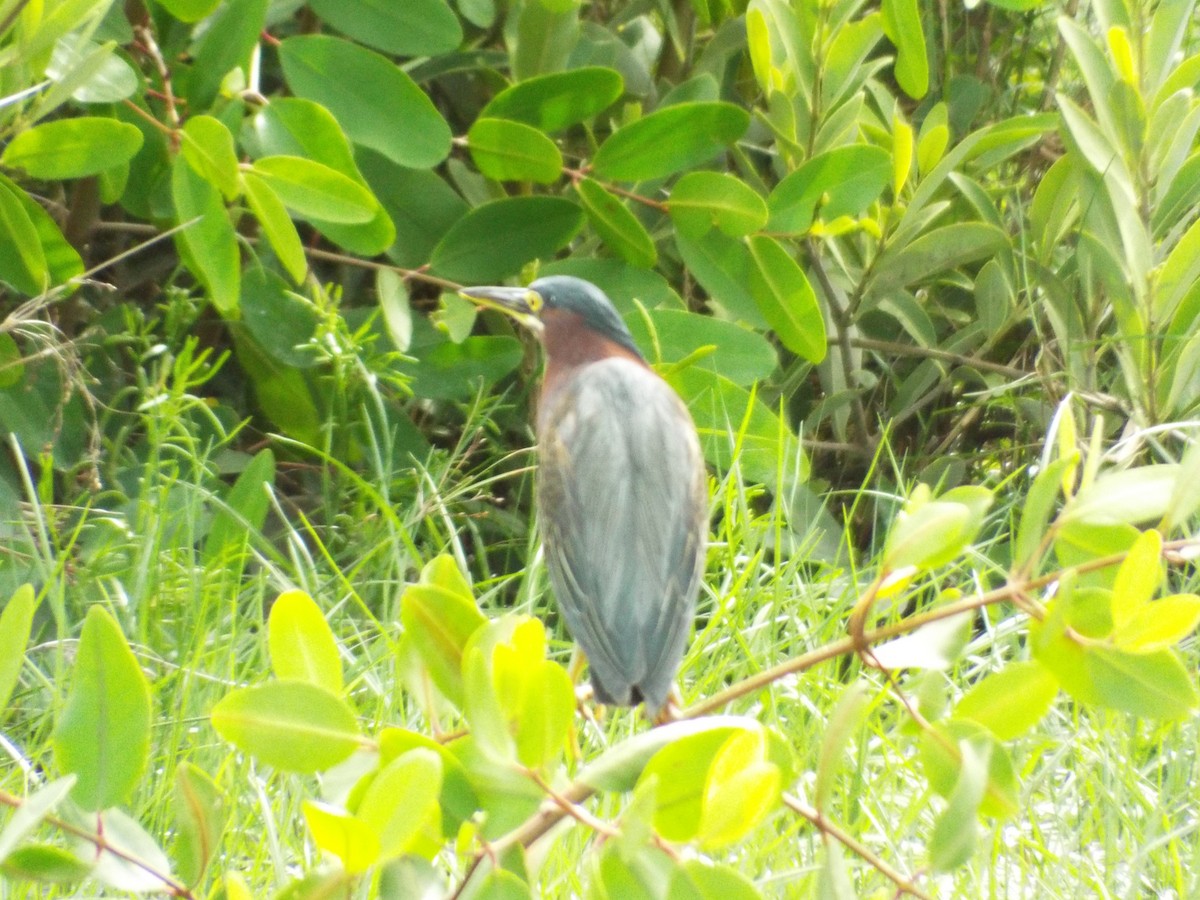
[208, 243]
[511, 151]
[199, 820]
[208, 146]
[439, 615]
[347, 837]
[1009, 701]
[618, 228]
[411, 28]
[301, 642]
[557, 100]
[402, 801]
[703, 200]
[22, 259]
[103, 732]
[902, 25]
[316, 191]
[840, 182]
[244, 507]
[291, 725]
[956, 831]
[72, 148]
[1159, 625]
[1138, 578]
[16, 622]
[1129, 496]
[670, 139]
[786, 299]
[276, 225]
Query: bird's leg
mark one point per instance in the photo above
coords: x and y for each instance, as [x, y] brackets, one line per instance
[671, 710]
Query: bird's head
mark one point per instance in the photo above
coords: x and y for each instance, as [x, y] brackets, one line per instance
[580, 303]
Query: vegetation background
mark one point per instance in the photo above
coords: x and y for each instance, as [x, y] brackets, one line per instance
[274, 622]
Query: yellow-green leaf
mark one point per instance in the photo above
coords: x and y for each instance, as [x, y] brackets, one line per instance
[72, 148]
[1138, 578]
[314, 190]
[277, 225]
[301, 642]
[347, 837]
[401, 804]
[208, 146]
[1159, 625]
[16, 621]
[617, 227]
[786, 299]
[512, 151]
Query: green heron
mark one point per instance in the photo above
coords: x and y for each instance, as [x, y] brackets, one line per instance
[622, 493]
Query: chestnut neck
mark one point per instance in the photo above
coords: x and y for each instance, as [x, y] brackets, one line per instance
[570, 344]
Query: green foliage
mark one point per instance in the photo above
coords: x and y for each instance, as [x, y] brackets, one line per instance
[888, 253]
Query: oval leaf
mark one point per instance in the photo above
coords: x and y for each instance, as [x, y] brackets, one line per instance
[786, 299]
[316, 191]
[411, 28]
[673, 138]
[72, 148]
[558, 100]
[301, 642]
[291, 725]
[103, 733]
[703, 200]
[511, 151]
[840, 182]
[619, 228]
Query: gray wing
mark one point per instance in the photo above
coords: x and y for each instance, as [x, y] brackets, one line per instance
[623, 501]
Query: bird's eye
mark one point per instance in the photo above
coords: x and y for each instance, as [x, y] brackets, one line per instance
[534, 300]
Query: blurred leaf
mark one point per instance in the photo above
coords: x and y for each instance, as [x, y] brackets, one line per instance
[936, 532]
[1138, 578]
[1010, 701]
[16, 623]
[1185, 497]
[243, 509]
[941, 758]
[902, 25]
[207, 144]
[700, 201]
[209, 244]
[935, 252]
[347, 837]
[458, 800]
[681, 768]
[22, 260]
[402, 802]
[672, 335]
[670, 139]
[394, 303]
[315, 190]
[1159, 625]
[902, 153]
[1129, 496]
[742, 786]
[957, 831]
[496, 239]
[933, 646]
[276, 225]
[291, 725]
[103, 732]
[199, 820]
[698, 880]
[786, 299]
[72, 148]
[45, 864]
[840, 182]
[439, 615]
[227, 41]
[557, 100]
[30, 813]
[723, 265]
[511, 151]
[617, 227]
[140, 858]
[62, 261]
[301, 643]
[376, 103]
[189, 10]
[411, 28]
[846, 719]
[1039, 504]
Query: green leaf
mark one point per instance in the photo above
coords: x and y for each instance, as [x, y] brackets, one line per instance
[1185, 498]
[16, 624]
[33, 809]
[199, 820]
[935, 645]
[496, 239]
[1159, 625]
[138, 860]
[682, 768]
[1039, 504]
[620, 767]
[741, 788]
[937, 251]
[617, 227]
[62, 261]
[189, 10]
[347, 837]
[209, 244]
[846, 719]
[725, 348]
[411, 28]
[22, 260]
[840, 182]
[723, 265]
[703, 200]
[72, 148]
[244, 508]
[291, 725]
[1011, 701]
[936, 532]
[208, 146]
[453, 371]
[103, 732]
[228, 40]
[1138, 578]
[280, 232]
[402, 802]
[511, 151]
[1129, 496]
[283, 324]
[733, 424]
[301, 643]
[670, 139]
[377, 104]
[557, 100]
[699, 880]
[786, 299]
[941, 758]
[316, 191]
[46, 864]
[1178, 274]
[394, 304]
[439, 615]
[902, 25]
[956, 831]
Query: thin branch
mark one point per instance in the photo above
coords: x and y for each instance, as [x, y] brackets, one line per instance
[903, 883]
[898, 349]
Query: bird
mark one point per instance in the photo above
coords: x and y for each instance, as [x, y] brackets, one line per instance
[622, 491]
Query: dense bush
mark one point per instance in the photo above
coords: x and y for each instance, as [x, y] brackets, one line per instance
[928, 278]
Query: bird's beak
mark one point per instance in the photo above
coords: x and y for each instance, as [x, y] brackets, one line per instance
[520, 303]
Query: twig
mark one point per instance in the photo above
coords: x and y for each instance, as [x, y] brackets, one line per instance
[903, 883]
